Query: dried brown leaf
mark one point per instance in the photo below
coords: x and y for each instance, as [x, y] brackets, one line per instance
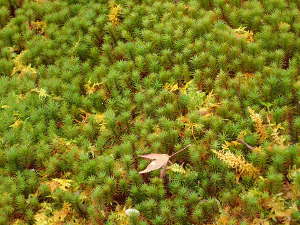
[155, 156]
[159, 161]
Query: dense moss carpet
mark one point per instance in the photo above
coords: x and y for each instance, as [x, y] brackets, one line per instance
[87, 87]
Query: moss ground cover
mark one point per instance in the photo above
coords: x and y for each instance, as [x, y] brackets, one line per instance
[86, 87]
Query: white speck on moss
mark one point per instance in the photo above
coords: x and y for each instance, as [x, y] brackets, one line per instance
[132, 212]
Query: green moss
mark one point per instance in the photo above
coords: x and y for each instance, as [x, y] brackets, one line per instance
[81, 98]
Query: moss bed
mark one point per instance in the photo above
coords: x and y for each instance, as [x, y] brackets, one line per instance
[89, 86]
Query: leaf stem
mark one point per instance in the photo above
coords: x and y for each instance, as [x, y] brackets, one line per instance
[180, 150]
[247, 145]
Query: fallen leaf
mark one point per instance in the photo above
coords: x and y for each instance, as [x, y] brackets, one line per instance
[159, 161]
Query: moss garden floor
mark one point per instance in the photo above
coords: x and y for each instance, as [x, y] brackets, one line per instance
[149, 112]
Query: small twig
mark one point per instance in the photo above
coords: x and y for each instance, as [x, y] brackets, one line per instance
[244, 143]
[180, 150]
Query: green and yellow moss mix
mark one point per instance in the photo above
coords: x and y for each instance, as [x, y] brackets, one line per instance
[88, 86]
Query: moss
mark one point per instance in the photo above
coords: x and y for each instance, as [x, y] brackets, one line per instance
[87, 87]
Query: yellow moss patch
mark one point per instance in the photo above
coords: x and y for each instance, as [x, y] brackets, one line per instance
[242, 33]
[114, 14]
[237, 162]
[21, 69]
[259, 126]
